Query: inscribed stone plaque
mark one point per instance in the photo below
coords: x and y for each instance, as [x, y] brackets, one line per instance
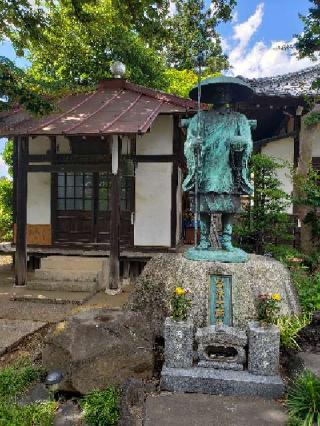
[220, 300]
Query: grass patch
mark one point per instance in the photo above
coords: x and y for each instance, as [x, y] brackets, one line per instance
[289, 326]
[37, 414]
[101, 408]
[304, 400]
[14, 381]
[308, 288]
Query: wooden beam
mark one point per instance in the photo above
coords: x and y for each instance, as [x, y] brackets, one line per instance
[54, 185]
[154, 158]
[56, 168]
[21, 237]
[114, 262]
[296, 149]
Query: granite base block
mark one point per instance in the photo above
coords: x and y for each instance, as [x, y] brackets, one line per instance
[220, 382]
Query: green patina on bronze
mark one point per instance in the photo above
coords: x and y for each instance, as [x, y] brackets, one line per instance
[222, 167]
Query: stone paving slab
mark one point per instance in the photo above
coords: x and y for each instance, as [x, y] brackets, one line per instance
[13, 331]
[212, 410]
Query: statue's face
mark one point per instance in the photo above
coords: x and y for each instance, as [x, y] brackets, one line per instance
[221, 96]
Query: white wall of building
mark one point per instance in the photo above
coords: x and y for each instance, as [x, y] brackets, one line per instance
[39, 145]
[283, 150]
[159, 141]
[153, 204]
[39, 199]
[39, 186]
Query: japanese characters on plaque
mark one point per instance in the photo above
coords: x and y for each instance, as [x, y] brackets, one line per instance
[220, 300]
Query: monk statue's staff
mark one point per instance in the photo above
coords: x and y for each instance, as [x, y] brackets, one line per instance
[197, 154]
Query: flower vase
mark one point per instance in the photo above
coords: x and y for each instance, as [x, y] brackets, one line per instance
[264, 349]
[178, 337]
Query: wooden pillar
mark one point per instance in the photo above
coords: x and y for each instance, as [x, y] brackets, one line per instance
[114, 264]
[21, 212]
[174, 181]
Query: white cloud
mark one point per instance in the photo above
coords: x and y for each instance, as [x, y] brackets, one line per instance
[3, 167]
[172, 8]
[261, 59]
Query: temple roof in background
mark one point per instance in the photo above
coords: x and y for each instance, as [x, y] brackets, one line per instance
[296, 84]
[115, 107]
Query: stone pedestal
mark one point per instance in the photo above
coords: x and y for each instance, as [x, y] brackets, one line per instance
[264, 348]
[178, 337]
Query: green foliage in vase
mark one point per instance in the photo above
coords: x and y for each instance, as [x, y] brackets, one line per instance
[180, 304]
[264, 219]
[290, 326]
[304, 400]
[268, 307]
[101, 407]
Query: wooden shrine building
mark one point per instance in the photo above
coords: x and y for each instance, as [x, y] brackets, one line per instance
[101, 174]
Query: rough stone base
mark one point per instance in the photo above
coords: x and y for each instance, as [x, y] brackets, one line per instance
[221, 382]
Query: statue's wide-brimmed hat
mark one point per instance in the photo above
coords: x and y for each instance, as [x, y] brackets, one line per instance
[222, 89]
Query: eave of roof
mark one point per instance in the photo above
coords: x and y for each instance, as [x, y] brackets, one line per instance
[295, 84]
[115, 107]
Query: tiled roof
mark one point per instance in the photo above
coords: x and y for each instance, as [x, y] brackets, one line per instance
[115, 107]
[295, 84]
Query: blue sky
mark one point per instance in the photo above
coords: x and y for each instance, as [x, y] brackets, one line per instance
[251, 40]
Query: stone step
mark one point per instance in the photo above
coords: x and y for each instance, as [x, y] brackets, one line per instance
[72, 263]
[65, 275]
[48, 285]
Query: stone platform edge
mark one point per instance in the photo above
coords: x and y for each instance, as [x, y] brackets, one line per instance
[220, 382]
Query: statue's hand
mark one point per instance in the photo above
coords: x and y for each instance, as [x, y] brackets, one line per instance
[188, 183]
[238, 143]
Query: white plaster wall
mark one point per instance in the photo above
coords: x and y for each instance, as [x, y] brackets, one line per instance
[63, 145]
[315, 137]
[39, 199]
[159, 140]
[282, 149]
[153, 204]
[39, 145]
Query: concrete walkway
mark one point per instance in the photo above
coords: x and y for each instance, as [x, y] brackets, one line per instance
[212, 410]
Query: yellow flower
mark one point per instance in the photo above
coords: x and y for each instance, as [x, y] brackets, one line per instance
[276, 296]
[180, 291]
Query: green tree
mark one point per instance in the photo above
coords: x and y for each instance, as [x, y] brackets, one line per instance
[308, 42]
[309, 195]
[84, 49]
[264, 219]
[193, 28]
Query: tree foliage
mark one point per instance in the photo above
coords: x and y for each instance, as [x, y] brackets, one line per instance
[265, 219]
[193, 28]
[308, 42]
